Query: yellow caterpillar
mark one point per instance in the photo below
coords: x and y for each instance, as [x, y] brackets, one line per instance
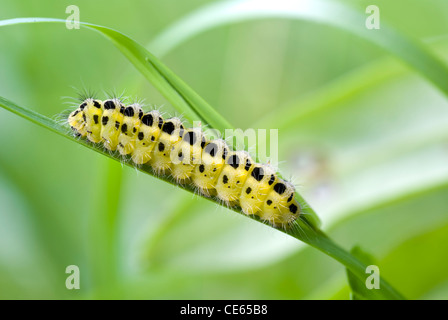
[185, 154]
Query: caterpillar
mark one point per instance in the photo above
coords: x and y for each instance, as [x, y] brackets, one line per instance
[185, 154]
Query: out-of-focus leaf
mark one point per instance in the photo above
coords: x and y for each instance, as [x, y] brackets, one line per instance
[334, 13]
[419, 264]
[333, 94]
[302, 229]
[20, 246]
[370, 147]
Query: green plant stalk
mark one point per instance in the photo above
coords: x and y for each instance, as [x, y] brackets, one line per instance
[302, 230]
[358, 268]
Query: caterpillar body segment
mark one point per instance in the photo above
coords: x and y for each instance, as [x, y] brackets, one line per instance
[279, 206]
[186, 154]
[170, 134]
[94, 109]
[129, 129]
[206, 174]
[233, 176]
[147, 136]
[256, 188]
[111, 120]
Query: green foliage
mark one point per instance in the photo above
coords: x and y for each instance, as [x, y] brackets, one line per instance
[372, 133]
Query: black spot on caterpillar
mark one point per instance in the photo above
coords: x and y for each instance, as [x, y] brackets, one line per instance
[233, 161]
[148, 120]
[96, 104]
[190, 137]
[168, 127]
[211, 149]
[258, 173]
[129, 112]
[108, 105]
[280, 188]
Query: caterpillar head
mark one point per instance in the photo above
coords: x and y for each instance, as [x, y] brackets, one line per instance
[77, 121]
[85, 120]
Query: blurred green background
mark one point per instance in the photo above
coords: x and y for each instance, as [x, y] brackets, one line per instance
[368, 149]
